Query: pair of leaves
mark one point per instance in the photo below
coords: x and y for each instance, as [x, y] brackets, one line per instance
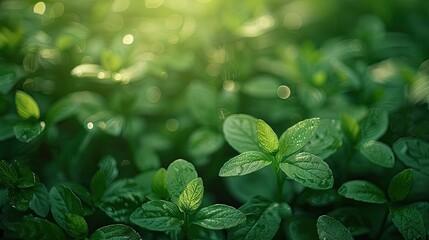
[365, 134]
[413, 153]
[30, 227]
[121, 198]
[259, 147]
[364, 191]
[106, 174]
[24, 190]
[160, 215]
[186, 191]
[263, 219]
[67, 211]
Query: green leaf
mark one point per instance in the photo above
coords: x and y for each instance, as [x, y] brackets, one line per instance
[39, 200]
[240, 132]
[267, 138]
[245, 163]
[158, 215]
[204, 142]
[374, 125]
[263, 219]
[350, 127]
[98, 184]
[8, 174]
[18, 198]
[378, 153]
[409, 222]
[326, 140]
[108, 164]
[179, 174]
[359, 221]
[29, 227]
[27, 178]
[26, 106]
[363, 191]
[401, 185]
[63, 201]
[218, 216]
[192, 196]
[309, 170]
[121, 198]
[414, 153]
[295, 137]
[330, 229]
[159, 184]
[8, 78]
[27, 132]
[115, 232]
[76, 225]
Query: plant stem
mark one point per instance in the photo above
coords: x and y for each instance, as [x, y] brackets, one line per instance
[279, 179]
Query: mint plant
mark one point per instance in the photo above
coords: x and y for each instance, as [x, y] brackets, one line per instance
[260, 147]
[182, 211]
[97, 98]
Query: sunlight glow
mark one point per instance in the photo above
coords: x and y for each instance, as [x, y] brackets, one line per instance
[39, 8]
[128, 39]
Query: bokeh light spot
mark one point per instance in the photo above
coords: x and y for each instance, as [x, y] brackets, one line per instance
[173, 21]
[90, 125]
[292, 21]
[172, 124]
[283, 92]
[128, 39]
[229, 85]
[39, 8]
[154, 3]
[153, 94]
[120, 5]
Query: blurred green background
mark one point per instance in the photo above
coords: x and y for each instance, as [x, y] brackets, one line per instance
[151, 81]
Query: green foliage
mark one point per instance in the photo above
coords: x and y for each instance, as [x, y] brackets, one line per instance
[263, 219]
[309, 170]
[296, 125]
[363, 191]
[114, 232]
[409, 221]
[329, 228]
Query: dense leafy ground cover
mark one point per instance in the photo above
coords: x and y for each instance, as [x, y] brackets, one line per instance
[214, 119]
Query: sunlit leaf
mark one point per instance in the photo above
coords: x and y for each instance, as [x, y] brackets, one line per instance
[295, 137]
[26, 106]
[245, 163]
[218, 216]
[158, 216]
[267, 138]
